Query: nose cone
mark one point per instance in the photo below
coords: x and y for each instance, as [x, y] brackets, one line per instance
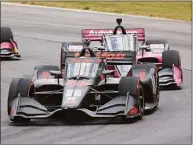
[73, 97]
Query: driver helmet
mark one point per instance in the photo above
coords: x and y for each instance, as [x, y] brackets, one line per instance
[86, 42]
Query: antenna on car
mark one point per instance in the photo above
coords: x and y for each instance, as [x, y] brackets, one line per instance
[119, 21]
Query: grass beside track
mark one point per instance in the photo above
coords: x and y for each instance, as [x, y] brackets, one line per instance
[170, 10]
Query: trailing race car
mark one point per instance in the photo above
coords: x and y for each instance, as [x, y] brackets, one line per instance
[111, 40]
[86, 84]
[148, 51]
[169, 62]
[9, 47]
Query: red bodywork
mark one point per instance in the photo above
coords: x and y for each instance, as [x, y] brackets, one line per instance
[9, 49]
[8, 45]
[156, 57]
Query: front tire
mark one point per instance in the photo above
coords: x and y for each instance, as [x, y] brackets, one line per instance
[170, 58]
[18, 86]
[133, 86]
[6, 34]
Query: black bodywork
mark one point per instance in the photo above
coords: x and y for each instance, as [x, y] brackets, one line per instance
[86, 84]
[97, 94]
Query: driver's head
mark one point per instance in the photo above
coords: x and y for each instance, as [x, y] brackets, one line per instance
[86, 42]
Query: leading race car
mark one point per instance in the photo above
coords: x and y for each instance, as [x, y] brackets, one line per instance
[8, 47]
[169, 62]
[87, 85]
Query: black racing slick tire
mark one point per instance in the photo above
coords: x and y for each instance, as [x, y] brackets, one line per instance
[44, 68]
[170, 58]
[133, 86]
[18, 86]
[6, 34]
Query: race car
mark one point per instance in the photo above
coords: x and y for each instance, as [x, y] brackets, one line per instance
[86, 85]
[104, 37]
[127, 42]
[169, 62]
[148, 51]
[8, 47]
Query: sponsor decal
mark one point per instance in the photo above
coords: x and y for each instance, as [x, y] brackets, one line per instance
[97, 97]
[103, 32]
[86, 60]
[77, 93]
[70, 100]
[156, 45]
[75, 47]
[69, 93]
[106, 55]
[72, 83]
[109, 55]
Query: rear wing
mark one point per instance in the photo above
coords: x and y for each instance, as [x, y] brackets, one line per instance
[96, 34]
[113, 58]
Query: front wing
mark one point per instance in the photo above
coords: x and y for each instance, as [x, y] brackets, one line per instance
[170, 76]
[26, 107]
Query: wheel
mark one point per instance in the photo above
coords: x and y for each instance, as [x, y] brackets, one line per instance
[18, 86]
[143, 71]
[170, 58]
[133, 86]
[6, 34]
[43, 71]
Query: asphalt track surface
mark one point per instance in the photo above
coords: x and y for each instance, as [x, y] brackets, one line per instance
[39, 33]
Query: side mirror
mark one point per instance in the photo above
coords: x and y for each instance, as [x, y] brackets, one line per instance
[108, 72]
[57, 74]
[143, 47]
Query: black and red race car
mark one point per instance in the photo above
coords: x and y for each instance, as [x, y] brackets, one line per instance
[127, 41]
[87, 84]
[8, 47]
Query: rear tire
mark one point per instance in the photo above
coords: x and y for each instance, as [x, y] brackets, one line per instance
[129, 84]
[6, 34]
[171, 57]
[18, 86]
